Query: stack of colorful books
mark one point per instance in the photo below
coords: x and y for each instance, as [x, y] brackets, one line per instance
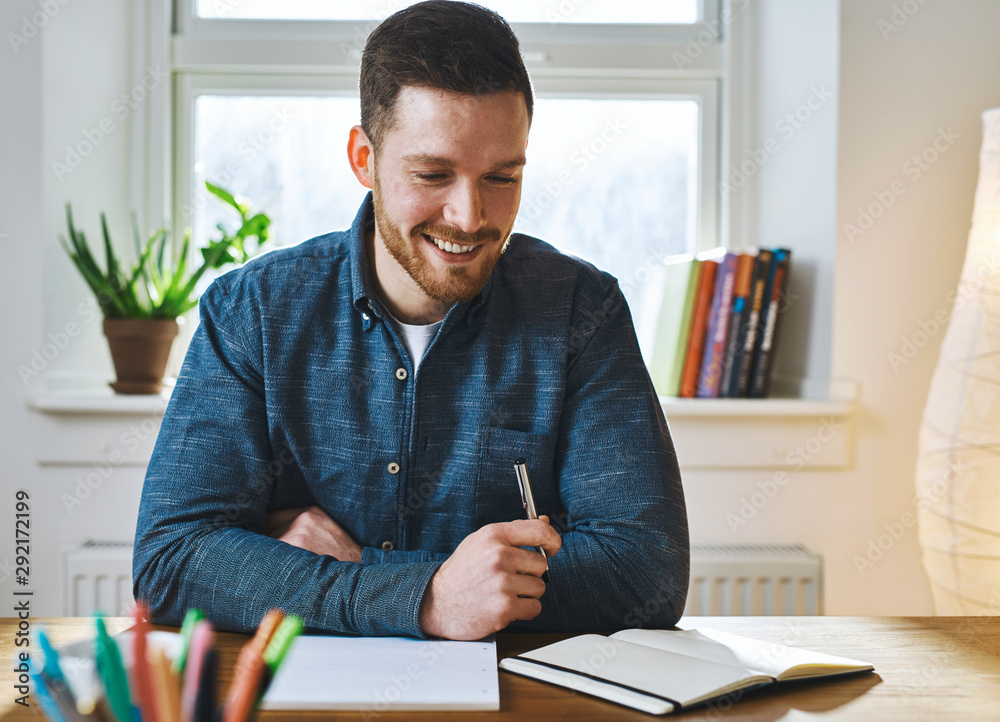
[132, 678]
[718, 323]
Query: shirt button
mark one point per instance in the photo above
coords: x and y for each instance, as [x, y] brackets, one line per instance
[365, 316]
[401, 374]
[387, 546]
[394, 468]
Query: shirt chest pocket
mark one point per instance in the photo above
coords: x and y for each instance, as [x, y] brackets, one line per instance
[497, 495]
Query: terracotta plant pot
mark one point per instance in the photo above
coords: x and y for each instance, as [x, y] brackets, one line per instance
[139, 350]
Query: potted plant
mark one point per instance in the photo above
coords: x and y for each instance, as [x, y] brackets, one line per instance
[142, 304]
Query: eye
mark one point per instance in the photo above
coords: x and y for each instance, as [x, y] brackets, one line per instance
[430, 177]
[503, 180]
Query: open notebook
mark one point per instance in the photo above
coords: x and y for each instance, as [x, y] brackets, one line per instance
[662, 671]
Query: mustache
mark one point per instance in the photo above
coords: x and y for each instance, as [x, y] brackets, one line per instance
[483, 235]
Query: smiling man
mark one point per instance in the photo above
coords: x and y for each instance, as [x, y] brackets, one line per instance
[341, 440]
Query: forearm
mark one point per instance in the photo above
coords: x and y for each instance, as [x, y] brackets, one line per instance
[236, 575]
[610, 576]
[374, 555]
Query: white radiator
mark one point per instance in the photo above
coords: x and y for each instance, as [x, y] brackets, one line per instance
[726, 580]
[98, 576]
[754, 580]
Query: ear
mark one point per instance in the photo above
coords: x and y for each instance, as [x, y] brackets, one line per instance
[361, 156]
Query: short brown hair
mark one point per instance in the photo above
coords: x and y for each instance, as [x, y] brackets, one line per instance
[455, 46]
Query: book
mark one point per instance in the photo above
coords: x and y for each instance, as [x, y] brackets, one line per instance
[710, 377]
[662, 671]
[737, 316]
[777, 283]
[673, 323]
[699, 327]
[749, 326]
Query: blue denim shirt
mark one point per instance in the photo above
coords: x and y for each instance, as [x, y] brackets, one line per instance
[297, 391]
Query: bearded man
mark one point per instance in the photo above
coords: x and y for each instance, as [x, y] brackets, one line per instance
[342, 437]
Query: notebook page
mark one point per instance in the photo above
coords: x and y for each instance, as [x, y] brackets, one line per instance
[385, 673]
[682, 679]
[763, 657]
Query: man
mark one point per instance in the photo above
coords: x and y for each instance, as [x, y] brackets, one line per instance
[341, 439]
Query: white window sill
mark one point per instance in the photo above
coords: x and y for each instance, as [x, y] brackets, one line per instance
[97, 400]
[775, 433]
[85, 424]
[676, 408]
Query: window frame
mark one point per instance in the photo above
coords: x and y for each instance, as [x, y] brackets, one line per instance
[187, 23]
[261, 57]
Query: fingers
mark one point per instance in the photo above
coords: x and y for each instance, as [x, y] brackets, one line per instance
[489, 581]
[528, 533]
[522, 609]
[529, 562]
[276, 532]
[526, 586]
[282, 517]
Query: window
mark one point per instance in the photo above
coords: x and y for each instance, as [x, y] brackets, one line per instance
[515, 11]
[623, 153]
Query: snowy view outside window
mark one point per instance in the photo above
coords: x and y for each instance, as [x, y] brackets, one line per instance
[515, 11]
[612, 181]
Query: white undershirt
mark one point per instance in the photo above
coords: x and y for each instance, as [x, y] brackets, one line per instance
[416, 337]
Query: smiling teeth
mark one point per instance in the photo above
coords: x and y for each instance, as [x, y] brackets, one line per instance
[450, 247]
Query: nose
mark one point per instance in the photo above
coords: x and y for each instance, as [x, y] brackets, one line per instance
[464, 208]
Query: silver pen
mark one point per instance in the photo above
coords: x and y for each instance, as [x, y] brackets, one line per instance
[528, 502]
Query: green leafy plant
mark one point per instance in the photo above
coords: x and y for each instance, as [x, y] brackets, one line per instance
[236, 247]
[160, 285]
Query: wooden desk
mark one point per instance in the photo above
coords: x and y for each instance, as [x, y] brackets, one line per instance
[933, 668]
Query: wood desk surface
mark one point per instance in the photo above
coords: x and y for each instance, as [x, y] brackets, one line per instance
[926, 668]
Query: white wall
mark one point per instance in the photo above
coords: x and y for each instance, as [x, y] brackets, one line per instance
[62, 82]
[21, 234]
[87, 59]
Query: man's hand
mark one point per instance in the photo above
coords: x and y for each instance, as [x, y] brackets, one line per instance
[489, 581]
[309, 528]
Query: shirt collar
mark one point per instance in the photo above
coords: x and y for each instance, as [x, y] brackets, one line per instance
[363, 294]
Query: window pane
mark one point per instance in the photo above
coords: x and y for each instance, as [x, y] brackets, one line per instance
[288, 155]
[515, 11]
[614, 182]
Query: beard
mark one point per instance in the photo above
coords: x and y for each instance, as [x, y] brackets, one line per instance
[455, 283]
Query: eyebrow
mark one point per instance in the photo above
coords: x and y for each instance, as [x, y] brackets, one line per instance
[517, 162]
